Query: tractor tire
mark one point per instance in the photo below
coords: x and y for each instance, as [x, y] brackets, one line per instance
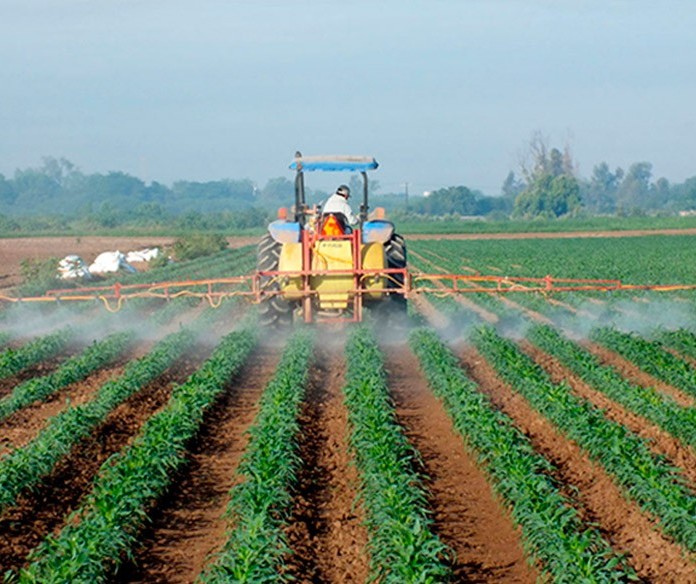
[397, 257]
[274, 311]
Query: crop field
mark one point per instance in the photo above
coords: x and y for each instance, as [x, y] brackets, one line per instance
[492, 438]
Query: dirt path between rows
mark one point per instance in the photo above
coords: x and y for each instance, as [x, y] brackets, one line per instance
[634, 374]
[468, 516]
[45, 367]
[23, 426]
[653, 555]
[39, 513]
[660, 441]
[187, 525]
[326, 530]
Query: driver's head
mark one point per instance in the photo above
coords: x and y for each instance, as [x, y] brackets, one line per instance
[344, 191]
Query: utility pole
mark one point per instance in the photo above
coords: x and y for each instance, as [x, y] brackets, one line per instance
[406, 194]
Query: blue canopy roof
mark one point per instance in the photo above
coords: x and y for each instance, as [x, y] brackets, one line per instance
[334, 163]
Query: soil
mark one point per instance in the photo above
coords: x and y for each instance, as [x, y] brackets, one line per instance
[326, 531]
[635, 375]
[43, 510]
[468, 516]
[660, 441]
[600, 501]
[13, 251]
[187, 524]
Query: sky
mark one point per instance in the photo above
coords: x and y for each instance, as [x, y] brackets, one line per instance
[441, 92]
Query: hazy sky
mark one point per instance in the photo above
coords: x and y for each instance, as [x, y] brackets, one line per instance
[442, 92]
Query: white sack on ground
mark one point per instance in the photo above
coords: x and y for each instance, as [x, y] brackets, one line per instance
[72, 267]
[109, 262]
[144, 255]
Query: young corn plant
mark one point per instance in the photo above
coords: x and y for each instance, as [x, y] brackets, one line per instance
[681, 340]
[103, 530]
[4, 338]
[645, 477]
[25, 466]
[12, 361]
[74, 369]
[568, 550]
[650, 356]
[402, 546]
[259, 506]
[654, 406]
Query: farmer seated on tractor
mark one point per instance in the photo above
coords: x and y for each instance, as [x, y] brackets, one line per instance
[338, 204]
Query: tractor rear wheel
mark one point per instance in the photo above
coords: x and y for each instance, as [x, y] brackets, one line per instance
[395, 250]
[274, 311]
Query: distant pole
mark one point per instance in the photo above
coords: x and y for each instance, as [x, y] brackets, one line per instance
[406, 194]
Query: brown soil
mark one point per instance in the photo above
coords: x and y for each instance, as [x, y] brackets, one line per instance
[654, 557]
[634, 374]
[187, 525]
[42, 511]
[468, 516]
[326, 533]
[13, 251]
[660, 441]
[23, 426]
[45, 367]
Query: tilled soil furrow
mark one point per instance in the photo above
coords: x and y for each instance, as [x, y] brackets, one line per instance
[601, 502]
[188, 525]
[43, 510]
[635, 375]
[660, 441]
[468, 516]
[326, 530]
[40, 369]
[23, 426]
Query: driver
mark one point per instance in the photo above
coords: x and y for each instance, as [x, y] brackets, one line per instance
[338, 203]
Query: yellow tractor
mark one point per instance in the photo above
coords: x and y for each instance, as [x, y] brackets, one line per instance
[314, 265]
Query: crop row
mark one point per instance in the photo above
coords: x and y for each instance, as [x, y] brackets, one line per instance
[650, 356]
[681, 340]
[24, 466]
[552, 531]
[74, 369]
[258, 508]
[12, 361]
[655, 485]
[105, 526]
[657, 407]
[402, 545]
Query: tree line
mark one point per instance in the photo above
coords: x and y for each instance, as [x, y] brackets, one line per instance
[58, 194]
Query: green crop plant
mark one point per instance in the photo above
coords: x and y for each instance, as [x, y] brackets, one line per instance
[101, 532]
[403, 547]
[654, 406]
[650, 356]
[259, 506]
[24, 466]
[13, 361]
[645, 477]
[4, 338]
[74, 369]
[552, 532]
[681, 340]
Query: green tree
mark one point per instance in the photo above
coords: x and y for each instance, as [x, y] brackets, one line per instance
[552, 189]
[634, 192]
[600, 195]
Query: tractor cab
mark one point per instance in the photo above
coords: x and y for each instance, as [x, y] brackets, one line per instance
[317, 265]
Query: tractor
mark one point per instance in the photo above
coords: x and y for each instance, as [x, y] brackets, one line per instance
[315, 266]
